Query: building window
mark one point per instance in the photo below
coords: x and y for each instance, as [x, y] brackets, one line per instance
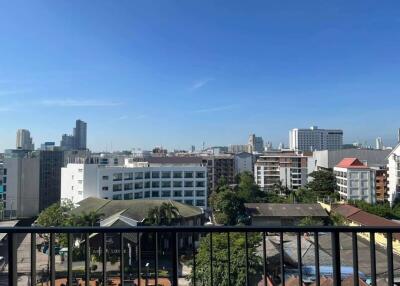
[80, 170]
[128, 176]
[117, 187]
[177, 175]
[128, 196]
[200, 203]
[117, 177]
[177, 184]
[177, 193]
[147, 175]
[138, 175]
[147, 194]
[189, 184]
[200, 184]
[200, 193]
[80, 182]
[188, 193]
[155, 175]
[105, 178]
[166, 184]
[105, 188]
[166, 194]
[117, 197]
[138, 185]
[138, 195]
[128, 187]
[200, 175]
[165, 175]
[147, 185]
[188, 175]
[155, 184]
[155, 194]
[189, 202]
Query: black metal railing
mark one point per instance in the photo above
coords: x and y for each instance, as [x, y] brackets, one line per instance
[174, 233]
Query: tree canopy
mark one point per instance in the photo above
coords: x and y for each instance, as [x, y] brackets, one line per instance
[165, 214]
[323, 183]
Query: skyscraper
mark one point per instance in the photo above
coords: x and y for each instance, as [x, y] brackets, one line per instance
[67, 142]
[80, 132]
[379, 143]
[24, 140]
[256, 143]
[315, 139]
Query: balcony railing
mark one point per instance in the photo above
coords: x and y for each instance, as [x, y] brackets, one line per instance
[174, 234]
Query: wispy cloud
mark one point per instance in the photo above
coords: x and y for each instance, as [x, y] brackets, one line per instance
[79, 103]
[215, 109]
[200, 83]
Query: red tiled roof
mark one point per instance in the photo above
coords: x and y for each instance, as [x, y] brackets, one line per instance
[351, 163]
[324, 281]
[346, 210]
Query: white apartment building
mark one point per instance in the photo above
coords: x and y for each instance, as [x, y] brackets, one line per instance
[244, 162]
[394, 174]
[288, 168]
[315, 139]
[355, 180]
[185, 183]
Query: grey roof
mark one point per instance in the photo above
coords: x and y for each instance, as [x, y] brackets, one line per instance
[174, 160]
[134, 209]
[285, 210]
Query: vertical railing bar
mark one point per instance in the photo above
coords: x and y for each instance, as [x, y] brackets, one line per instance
[33, 258]
[390, 258]
[229, 258]
[211, 260]
[336, 258]
[299, 260]
[52, 260]
[121, 257]
[282, 260]
[69, 260]
[316, 258]
[174, 259]
[265, 258]
[104, 258]
[139, 260]
[87, 259]
[246, 247]
[355, 257]
[373, 258]
[194, 259]
[12, 259]
[156, 258]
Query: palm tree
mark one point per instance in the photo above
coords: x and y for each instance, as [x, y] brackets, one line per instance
[154, 216]
[169, 212]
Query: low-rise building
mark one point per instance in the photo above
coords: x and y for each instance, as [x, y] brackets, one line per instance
[286, 167]
[170, 178]
[394, 174]
[265, 214]
[355, 180]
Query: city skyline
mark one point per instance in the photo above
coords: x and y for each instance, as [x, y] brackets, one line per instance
[177, 74]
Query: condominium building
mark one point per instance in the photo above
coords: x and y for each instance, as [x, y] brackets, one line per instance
[256, 144]
[239, 148]
[244, 162]
[219, 166]
[355, 180]
[287, 168]
[80, 135]
[381, 183]
[179, 179]
[394, 174]
[24, 140]
[315, 139]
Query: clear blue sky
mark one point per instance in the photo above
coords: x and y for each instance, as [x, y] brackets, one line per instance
[177, 73]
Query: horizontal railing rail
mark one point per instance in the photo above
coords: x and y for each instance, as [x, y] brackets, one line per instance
[175, 231]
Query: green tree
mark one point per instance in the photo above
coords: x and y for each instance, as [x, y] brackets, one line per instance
[165, 214]
[91, 218]
[248, 190]
[310, 221]
[57, 214]
[305, 196]
[220, 258]
[323, 183]
[228, 207]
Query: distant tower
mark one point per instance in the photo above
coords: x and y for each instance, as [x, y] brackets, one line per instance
[379, 143]
[398, 135]
[80, 135]
[192, 148]
[24, 140]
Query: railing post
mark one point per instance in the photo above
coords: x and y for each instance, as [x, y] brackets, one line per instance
[52, 260]
[12, 259]
[355, 258]
[246, 247]
[87, 259]
[211, 260]
[139, 260]
[265, 258]
[156, 259]
[299, 260]
[316, 257]
[104, 259]
[122, 262]
[69, 262]
[282, 258]
[174, 259]
[33, 258]
[337, 279]
[389, 254]
[373, 258]
[229, 258]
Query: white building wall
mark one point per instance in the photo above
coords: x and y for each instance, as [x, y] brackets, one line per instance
[394, 174]
[244, 163]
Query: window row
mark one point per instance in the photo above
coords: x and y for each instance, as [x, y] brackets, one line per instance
[166, 194]
[156, 184]
[199, 203]
[155, 175]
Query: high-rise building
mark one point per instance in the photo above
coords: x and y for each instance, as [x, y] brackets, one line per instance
[379, 143]
[315, 139]
[67, 142]
[219, 166]
[80, 135]
[24, 140]
[256, 143]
